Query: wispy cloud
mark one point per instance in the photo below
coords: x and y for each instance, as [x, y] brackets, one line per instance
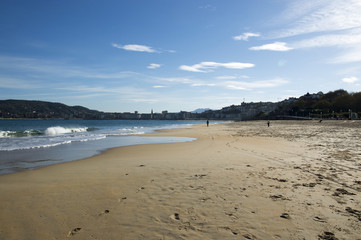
[176, 79]
[123, 92]
[135, 48]
[229, 82]
[349, 55]
[321, 16]
[208, 7]
[242, 85]
[190, 81]
[154, 66]
[350, 79]
[209, 66]
[46, 68]
[321, 23]
[231, 77]
[15, 83]
[277, 46]
[204, 85]
[246, 36]
[329, 40]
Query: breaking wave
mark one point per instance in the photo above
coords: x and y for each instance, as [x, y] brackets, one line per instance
[52, 131]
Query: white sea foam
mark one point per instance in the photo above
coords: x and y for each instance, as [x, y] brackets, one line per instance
[52, 131]
[4, 134]
[45, 141]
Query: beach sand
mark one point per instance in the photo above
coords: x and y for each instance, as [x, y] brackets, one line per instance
[244, 180]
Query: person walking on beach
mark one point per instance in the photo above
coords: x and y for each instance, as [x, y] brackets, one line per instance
[268, 123]
[207, 123]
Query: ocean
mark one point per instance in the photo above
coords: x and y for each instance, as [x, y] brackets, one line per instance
[31, 144]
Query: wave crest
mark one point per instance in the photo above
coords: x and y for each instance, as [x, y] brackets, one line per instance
[52, 131]
[26, 133]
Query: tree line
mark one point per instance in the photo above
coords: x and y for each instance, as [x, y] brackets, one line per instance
[334, 104]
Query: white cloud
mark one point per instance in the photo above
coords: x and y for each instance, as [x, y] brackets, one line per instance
[245, 36]
[277, 46]
[124, 92]
[159, 86]
[332, 23]
[329, 40]
[226, 77]
[240, 85]
[208, 7]
[15, 83]
[189, 81]
[209, 66]
[134, 47]
[349, 41]
[351, 54]
[48, 69]
[190, 68]
[154, 66]
[176, 80]
[350, 79]
[203, 85]
[310, 16]
[231, 77]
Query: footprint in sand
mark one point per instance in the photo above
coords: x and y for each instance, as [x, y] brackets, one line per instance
[200, 176]
[341, 191]
[319, 219]
[175, 216]
[311, 185]
[278, 196]
[285, 216]
[279, 179]
[106, 211]
[354, 212]
[73, 232]
[228, 229]
[249, 236]
[140, 189]
[230, 169]
[327, 236]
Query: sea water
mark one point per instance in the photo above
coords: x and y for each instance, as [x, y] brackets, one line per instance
[30, 144]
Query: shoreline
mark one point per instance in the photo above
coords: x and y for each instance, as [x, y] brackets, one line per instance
[34, 152]
[75, 151]
[237, 180]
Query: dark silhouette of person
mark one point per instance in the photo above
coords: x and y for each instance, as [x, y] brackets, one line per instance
[207, 123]
[268, 123]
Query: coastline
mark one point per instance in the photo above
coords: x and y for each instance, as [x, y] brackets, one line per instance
[26, 145]
[237, 180]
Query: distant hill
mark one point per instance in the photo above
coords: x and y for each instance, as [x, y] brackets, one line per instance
[335, 104]
[201, 110]
[41, 109]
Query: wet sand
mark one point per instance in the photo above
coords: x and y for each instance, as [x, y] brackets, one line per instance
[292, 180]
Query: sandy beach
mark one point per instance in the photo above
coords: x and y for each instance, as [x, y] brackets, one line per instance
[242, 180]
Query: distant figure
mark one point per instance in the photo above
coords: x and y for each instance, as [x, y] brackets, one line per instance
[207, 123]
[320, 121]
[268, 123]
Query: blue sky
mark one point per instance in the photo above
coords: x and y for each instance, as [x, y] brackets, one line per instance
[138, 55]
